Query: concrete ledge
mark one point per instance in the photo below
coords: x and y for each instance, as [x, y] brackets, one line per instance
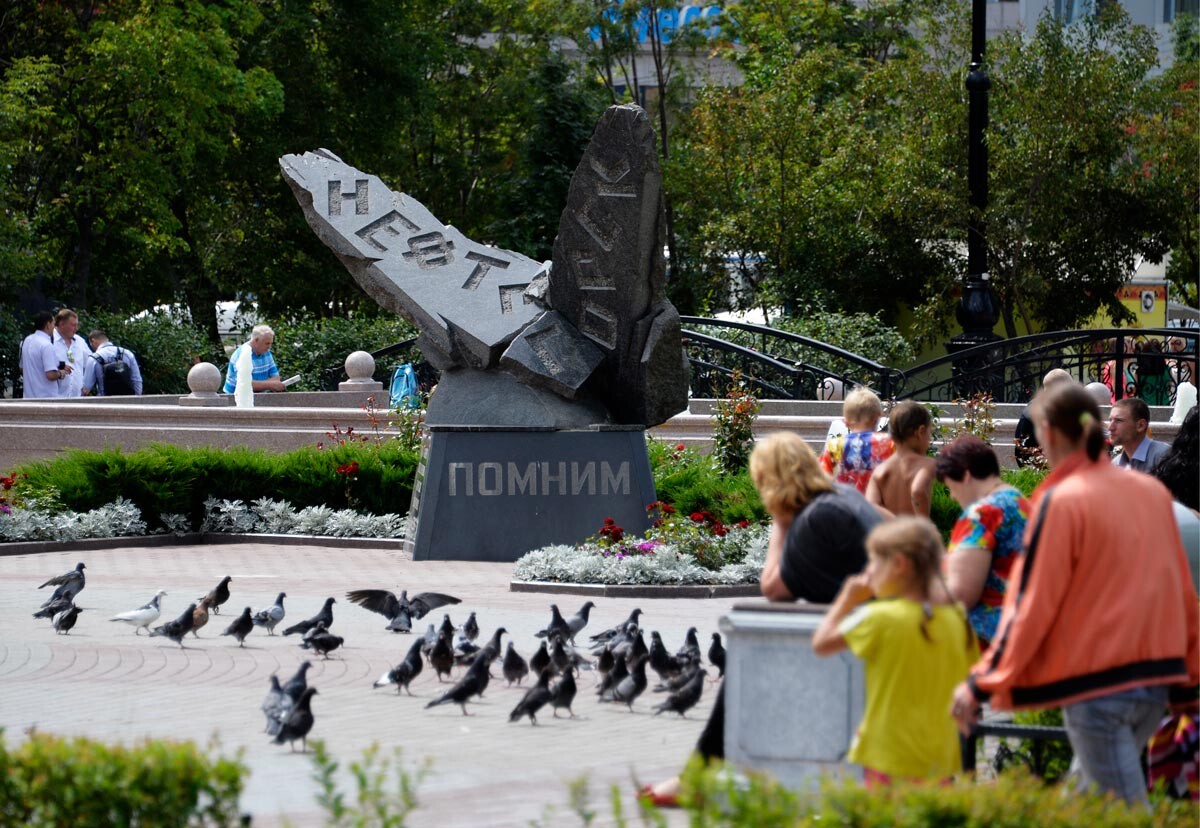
[638, 590]
[197, 539]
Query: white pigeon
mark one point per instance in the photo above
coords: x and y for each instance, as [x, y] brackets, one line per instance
[142, 617]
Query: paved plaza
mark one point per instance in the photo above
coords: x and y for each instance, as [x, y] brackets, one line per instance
[104, 682]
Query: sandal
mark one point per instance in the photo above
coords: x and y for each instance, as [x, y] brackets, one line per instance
[647, 794]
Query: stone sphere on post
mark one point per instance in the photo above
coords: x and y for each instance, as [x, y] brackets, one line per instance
[360, 370]
[204, 380]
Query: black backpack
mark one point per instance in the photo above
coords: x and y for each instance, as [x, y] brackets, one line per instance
[118, 376]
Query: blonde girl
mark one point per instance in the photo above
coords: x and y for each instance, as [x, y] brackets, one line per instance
[915, 653]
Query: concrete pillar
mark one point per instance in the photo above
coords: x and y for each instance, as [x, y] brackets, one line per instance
[360, 370]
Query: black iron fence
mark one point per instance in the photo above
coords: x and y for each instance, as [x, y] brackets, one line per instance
[1148, 363]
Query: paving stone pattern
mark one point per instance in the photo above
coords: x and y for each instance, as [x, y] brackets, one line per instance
[104, 682]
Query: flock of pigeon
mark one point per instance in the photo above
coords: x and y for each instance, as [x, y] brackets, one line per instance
[619, 656]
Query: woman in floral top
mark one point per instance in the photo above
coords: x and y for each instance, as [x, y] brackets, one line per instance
[986, 540]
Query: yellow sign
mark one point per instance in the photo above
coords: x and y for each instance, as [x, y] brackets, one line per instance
[1147, 302]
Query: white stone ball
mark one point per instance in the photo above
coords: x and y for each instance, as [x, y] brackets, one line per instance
[204, 378]
[360, 366]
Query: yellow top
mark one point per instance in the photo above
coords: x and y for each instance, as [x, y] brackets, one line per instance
[906, 729]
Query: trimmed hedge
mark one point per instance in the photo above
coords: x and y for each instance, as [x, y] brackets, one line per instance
[49, 782]
[165, 479]
[691, 482]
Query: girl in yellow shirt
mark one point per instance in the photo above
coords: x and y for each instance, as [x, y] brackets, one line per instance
[915, 654]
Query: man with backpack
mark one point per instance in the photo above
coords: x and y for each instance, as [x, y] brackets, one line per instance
[112, 371]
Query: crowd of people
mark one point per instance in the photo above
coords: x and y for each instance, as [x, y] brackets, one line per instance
[1079, 597]
[57, 362]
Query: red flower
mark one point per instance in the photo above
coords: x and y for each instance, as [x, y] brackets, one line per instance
[609, 522]
[668, 509]
[743, 524]
[720, 531]
[679, 446]
[697, 517]
[351, 468]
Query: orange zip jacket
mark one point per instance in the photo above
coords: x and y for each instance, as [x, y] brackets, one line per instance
[1100, 601]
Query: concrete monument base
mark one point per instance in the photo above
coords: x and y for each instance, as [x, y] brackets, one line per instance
[492, 494]
[788, 711]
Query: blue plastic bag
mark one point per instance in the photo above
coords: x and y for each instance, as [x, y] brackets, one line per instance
[404, 393]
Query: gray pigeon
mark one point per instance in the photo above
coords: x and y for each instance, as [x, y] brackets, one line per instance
[613, 678]
[470, 628]
[177, 629]
[218, 595]
[325, 616]
[294, 687]
[541, 659]
[619, 630]
[428, 640]
[579, 620]
[557, 624]
[514, 667]
[272, 615]
[632, 686]
[685, 698]
[242, 626]
[535, 699]
[321, 641]
[65, 620]
[145, 615]
[275, 701]
[298, 721]
[403, 673]
[69, 584]
[401, 611]
[441, 657]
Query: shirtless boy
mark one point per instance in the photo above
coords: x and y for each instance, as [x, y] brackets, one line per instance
[903, 484]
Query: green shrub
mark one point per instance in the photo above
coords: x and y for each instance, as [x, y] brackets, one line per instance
[690, 482]
[733, 425]
[166, 479]
[165, 344]
[376, 804]
[48, 782]
[13, 329]
[716, 796]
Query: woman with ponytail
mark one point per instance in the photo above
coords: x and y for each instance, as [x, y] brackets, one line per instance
[1100, 617]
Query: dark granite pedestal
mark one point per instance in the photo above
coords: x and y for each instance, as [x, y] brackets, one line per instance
[492, 494]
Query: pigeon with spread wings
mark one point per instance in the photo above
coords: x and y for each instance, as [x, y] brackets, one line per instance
[401, 611]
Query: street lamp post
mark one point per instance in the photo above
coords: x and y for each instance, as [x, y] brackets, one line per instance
[977, 310]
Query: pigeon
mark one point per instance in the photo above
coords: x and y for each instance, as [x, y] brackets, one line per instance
[675, 682]
[492, 648]
[218, 595]
[464, 650]
[325, 616]
[540, 660]
[716, 655]
[610, 681]
[619, 630]
[514, 667]
[663, 663]
[447, 629]
[242, 626]
[65, 620]
[54, 607]
[605, 661]
[469, 686]
[272, 615]
[69, 584]
[298, 721]
[579, 620]
[177, 629]
[563, 694]
[294, 687]
[685, 698]
[274, 703]
[470, 629]
[689, 653]
[535, 699]
[401, 611]
[321, 641]
[200, 616]
[441, 657]
[430, 638]
[632, 686]
[565, 659]
[145, 615]
[403, 673]
[557, 624]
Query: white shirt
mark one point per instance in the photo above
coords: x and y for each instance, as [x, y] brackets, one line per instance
[38, 357]
[75, 353]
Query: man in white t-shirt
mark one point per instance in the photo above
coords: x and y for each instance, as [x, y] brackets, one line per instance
[40, 373]
[73, 350]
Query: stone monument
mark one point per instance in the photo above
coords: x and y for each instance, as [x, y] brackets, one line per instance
[550, 372]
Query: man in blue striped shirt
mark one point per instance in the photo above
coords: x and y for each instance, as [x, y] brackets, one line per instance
[265, 376]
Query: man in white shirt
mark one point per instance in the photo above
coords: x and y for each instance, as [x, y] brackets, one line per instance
[73, 350]
[40, 373]
[105, 353]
